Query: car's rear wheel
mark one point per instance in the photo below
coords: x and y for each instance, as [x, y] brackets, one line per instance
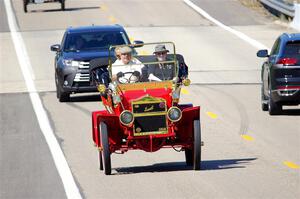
[264, 104]
[105, 148]
[197, 146]
[62, 4]
[274, 107]
[25, 2]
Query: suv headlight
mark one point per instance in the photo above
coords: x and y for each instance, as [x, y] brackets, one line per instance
[174, 114]
[126, 117]
[70, 62]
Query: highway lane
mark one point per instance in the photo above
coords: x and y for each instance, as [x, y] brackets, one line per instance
[233, 167]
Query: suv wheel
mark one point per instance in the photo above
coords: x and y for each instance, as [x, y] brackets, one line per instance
[25, 2]
[274, 108]
[62, 96]
[264, 103]
[62, 4]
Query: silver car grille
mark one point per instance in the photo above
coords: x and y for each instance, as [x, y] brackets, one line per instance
[84, 65]
[82, 77]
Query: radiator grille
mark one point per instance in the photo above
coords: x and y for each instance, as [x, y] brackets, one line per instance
[146, 125]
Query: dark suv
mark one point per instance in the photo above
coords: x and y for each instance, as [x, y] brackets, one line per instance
[281, 74]
[78, 47]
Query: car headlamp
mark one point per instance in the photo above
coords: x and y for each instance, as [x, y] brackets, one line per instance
[126, 117]
[70, 62]
[174, 114]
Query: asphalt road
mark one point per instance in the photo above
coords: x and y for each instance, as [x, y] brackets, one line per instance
[245, 150]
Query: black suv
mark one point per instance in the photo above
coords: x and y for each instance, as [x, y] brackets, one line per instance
[78, 47]
[281, 74]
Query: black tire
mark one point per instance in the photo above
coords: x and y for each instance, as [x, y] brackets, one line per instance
[63, 5]
[274, 108]
[189, 157]
[105, 148]
[62, 96]
[197, 146]
[264, 105]
[100, 161]
[25, 2]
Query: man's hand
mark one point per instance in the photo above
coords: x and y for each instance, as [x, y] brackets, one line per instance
[136, 73]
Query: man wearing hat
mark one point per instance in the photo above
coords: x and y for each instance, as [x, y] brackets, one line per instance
[126, 63]
[161, 71]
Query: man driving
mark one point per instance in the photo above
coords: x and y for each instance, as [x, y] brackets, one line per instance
[127, 69]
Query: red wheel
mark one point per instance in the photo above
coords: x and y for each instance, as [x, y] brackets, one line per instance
[105, 153]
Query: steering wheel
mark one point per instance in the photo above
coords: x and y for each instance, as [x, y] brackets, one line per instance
[123, 78]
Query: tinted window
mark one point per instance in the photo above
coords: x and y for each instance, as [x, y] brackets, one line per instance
[90, 41]
[292, 49]
[275, 48]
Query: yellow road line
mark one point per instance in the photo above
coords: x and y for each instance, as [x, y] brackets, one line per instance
[247, 137]
[184, 91]
[291, 165]
[212, 115]
[104, 7]
[112, 19]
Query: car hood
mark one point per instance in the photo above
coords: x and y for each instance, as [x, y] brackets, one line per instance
[85, 55]
[162, 93]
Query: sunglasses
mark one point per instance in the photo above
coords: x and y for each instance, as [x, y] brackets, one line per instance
[160, 53]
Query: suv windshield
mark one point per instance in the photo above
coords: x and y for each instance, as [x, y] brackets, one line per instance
[91, 41]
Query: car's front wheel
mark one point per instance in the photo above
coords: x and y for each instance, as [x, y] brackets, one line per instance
[197, 146]
[62, 96]
[105, 153]
[274, 107]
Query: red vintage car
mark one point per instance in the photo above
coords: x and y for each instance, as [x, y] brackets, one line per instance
[144, 114]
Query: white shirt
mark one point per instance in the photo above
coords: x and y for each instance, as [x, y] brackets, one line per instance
[133, 65]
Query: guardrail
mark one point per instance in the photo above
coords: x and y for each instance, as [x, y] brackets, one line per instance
[280, 6]
[290, 10]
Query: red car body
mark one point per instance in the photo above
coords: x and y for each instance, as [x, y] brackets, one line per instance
[150, 103]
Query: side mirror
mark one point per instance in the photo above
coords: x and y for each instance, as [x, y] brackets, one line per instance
[262, 53]
[55, 48]
[138, 43]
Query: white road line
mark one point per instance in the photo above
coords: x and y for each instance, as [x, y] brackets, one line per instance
[61, 164]
[241, 35]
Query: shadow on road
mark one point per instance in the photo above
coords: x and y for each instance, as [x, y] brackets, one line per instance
[181, 166]
[226, 164]
[291, 112]
[86, 98]
[66, 10]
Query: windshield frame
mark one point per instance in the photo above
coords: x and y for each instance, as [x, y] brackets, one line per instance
[111, 56]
